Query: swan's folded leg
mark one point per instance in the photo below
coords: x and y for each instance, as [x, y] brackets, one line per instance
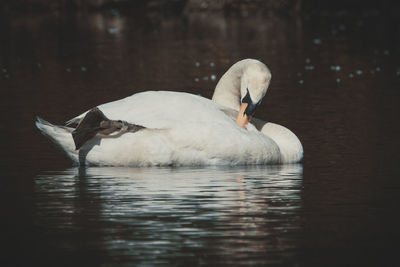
[111, 128]
[96, 125]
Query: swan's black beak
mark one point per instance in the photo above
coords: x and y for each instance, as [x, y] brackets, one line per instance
[251, 107]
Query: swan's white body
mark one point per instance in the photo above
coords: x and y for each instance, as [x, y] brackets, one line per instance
[181, 129]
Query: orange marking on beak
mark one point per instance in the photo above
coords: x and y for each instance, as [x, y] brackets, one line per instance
[242, 118]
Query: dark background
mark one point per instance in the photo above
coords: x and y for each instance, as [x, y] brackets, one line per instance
[336, 78]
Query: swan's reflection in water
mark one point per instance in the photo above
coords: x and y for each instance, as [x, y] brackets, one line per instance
[174, 215]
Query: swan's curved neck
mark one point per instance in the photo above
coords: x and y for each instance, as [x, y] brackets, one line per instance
[227, 91]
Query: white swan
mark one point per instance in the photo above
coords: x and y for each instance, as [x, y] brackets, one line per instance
[186, 129]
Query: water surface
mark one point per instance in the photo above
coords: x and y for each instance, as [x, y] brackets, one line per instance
[165, 216]
[335, 83]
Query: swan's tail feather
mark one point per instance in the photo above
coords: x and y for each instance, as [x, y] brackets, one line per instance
[60, 135]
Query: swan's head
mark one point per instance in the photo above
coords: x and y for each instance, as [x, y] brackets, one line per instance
[254, 85]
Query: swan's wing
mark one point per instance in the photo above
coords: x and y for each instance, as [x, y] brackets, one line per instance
[231, 113]
[114, 106]
[162, 109]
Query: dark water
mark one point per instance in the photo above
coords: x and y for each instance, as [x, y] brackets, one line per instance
[336, 80]
[166, 216]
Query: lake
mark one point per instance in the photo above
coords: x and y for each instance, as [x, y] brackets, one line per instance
[335, 83]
